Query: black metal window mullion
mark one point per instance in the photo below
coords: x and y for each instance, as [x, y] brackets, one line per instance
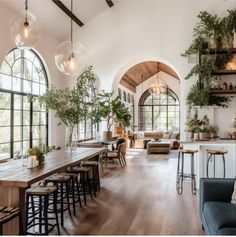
[12, 125]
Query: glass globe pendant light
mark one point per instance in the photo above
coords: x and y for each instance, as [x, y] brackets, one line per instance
[71, 57]
[25, 32]
[158, 87]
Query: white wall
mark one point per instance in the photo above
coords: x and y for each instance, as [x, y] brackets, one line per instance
[46, 49]
[139, 30]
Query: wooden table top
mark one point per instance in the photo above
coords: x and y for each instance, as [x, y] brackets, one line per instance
[12, 173]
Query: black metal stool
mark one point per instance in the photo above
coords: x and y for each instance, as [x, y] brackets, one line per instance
[95, 178]
[215, 153]
[84, 175]
[74, 193]
[180, 171]
[62, 183]
[7, 214]
[37, 210]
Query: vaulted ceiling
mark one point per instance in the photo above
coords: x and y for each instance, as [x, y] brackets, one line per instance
[49, 15]
[143, 71]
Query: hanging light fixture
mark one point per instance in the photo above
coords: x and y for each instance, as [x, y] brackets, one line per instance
[25, 32]
[158, 87]
[71, 56]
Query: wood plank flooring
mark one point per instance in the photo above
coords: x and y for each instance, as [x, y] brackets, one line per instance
[139, 200]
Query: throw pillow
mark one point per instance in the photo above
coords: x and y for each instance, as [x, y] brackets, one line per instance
[166, 136]
[233, 198]
[140, 135]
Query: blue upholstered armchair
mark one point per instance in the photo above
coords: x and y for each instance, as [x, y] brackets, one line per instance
[217, 214]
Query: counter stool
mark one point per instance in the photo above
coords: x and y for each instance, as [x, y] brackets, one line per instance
[62, 183]
[37, 210]
[95, 179]
[180, 171]
[7, 214]
[73, 190]
[85, 188]
[215, 153]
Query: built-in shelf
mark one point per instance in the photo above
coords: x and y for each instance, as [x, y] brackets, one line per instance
[224, 72]
[222, 92]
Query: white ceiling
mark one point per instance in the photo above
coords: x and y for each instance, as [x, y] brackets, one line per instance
[53, 20]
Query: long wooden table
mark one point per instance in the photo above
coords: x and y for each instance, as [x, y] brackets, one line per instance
[15, 179]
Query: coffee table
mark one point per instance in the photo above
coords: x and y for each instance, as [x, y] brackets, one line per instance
[158, 147]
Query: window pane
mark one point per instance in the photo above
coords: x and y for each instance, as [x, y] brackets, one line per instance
[5, 151]
[18, 101]
[27, 70]
[36, 118]
[5, 68]
[26, 117]
[4, 134]
[5, 82]
[26, 132]
[26, 105]
[16, 69]
[5, 100]
[17, 133]
[17, 82]
[5, 117]
[17, 117]
[17, 148]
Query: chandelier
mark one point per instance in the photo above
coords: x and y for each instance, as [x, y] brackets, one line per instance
[25, 31]
[70, 57]
[158, 87]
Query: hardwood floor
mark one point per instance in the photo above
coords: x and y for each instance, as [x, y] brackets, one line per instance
[139, 200]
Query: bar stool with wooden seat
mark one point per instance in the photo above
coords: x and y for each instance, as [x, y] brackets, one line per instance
[7, 214]
[215, 153]
[180, 170]
[37, 210]
[62, 183]
[85, 187]
[73, 189]
[95, 178]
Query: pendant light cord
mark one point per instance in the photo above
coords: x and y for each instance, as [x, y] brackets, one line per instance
[71, 23]
[26, 10]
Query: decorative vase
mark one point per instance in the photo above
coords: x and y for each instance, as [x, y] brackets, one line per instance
[234, 40]
[69, 135]
[201, 135]
[196, 136]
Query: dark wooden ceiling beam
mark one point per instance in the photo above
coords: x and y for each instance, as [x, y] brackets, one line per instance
[68, 12]
[110, 3]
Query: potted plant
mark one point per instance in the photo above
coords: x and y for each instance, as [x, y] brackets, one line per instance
[71, 105]
[113, 110]
[196, 133]
[213, 131]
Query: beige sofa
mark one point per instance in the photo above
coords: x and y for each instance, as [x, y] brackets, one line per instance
[140, 137]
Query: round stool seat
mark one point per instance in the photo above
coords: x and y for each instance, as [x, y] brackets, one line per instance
[59, 178]
[188, 151]
[41, 190]
[93, 162]
[78, 169]
[217, 152]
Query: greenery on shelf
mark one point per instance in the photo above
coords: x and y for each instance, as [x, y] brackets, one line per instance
[72, 105]
[111, 109]
[211, 34]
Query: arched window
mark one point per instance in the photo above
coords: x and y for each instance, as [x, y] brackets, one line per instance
[159, 112]
[23, 123]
